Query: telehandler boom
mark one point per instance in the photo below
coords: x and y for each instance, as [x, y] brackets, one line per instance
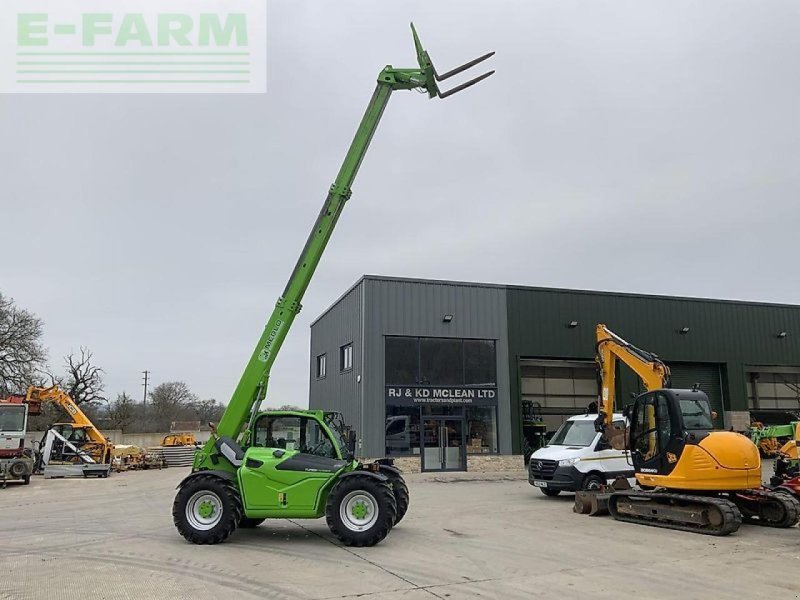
[301, 464]
[693, 478]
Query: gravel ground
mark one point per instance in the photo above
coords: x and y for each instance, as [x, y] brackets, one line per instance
[465, 536]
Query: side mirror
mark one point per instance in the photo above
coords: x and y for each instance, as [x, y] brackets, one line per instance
[351, 442]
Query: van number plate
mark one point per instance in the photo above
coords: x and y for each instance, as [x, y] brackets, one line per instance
[540, 483]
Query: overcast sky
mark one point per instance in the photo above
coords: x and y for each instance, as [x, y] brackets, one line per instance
[631, 146]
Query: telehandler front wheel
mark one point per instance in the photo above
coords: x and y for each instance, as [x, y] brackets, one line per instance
[361, 510]
[207, 509]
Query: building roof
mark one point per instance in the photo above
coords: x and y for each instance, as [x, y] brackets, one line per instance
[548, 290]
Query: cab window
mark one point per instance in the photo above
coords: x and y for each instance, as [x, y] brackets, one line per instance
[293, 433]
[644, 428]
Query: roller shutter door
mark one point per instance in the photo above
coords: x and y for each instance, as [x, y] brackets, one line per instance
[557, 388]
[686, 375]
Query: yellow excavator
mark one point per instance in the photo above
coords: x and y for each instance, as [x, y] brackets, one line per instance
[76, 448]
[692, 477]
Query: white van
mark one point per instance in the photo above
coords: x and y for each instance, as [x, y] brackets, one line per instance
[577, 458]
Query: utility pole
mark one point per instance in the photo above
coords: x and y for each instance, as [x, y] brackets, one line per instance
[146, 376]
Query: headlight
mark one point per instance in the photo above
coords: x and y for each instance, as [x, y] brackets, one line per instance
[567, 462]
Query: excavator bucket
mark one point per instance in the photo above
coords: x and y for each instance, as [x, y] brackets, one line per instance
[432, 76]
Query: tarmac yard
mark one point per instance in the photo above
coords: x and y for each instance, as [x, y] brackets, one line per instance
[465, 536]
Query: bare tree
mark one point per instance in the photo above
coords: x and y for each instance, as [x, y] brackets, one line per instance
[170, 401]
[208, 410]
[122, 411]
[22, 355]
[288, 407]
[83, 381]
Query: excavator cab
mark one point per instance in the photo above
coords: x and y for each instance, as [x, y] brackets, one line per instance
[663, 422]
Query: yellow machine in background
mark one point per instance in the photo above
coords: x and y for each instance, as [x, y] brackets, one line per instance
[77, 443]
[179, 439]
[701, 480]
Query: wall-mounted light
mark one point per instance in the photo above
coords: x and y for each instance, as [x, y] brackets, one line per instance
[684, 331]
[447, 318]
[572, 324]
[782, 334]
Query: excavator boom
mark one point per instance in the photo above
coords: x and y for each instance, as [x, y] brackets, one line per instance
[612, 348]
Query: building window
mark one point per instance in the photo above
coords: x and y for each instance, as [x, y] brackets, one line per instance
[322, 365]
[481, 429]
[402, 430]
[440, 362]
[346, 357]
[437, 383]
[402, 360]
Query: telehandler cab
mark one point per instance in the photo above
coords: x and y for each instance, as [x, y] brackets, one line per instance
[300, 464]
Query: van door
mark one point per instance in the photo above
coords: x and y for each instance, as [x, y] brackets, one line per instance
[610, 461]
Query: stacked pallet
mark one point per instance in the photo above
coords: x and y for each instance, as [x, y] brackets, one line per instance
[178, 456]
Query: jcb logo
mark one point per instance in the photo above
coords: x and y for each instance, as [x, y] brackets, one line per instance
[72, 410]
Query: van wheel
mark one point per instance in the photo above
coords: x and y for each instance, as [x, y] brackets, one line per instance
[549, 492]
[592, 482]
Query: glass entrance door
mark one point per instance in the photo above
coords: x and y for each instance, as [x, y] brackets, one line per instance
[443, 444]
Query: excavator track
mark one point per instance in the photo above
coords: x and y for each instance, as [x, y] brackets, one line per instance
[768, 509]
[707, 515]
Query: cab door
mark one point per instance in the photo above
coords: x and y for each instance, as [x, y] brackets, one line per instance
[644, 435]
[655, 438]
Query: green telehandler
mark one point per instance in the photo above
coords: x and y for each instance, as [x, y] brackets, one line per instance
[301, 464]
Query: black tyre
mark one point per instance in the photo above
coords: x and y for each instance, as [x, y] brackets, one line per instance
[550, 492]
[18, 469]
[26, 480]
[207, 509]
[402, 498]
[361, 510]
[592, 482]
[246, 523]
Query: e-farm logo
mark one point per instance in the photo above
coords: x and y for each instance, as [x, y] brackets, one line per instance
[133, 46]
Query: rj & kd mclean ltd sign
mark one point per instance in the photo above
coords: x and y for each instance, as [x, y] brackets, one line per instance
[411, 395]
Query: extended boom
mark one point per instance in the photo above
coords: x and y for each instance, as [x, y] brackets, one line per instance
[252, 387]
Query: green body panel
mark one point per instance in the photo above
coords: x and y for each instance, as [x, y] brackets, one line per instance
[772, 431]
[269, 492]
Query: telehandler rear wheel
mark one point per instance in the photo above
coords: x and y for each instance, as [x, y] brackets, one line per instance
[207, 509]
[401, 496]
[361, 510]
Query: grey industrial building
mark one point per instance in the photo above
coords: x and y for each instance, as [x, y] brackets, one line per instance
[446, 371]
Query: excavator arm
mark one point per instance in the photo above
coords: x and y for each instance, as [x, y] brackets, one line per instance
[252, 387]
[54, 394]
[612, 348]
